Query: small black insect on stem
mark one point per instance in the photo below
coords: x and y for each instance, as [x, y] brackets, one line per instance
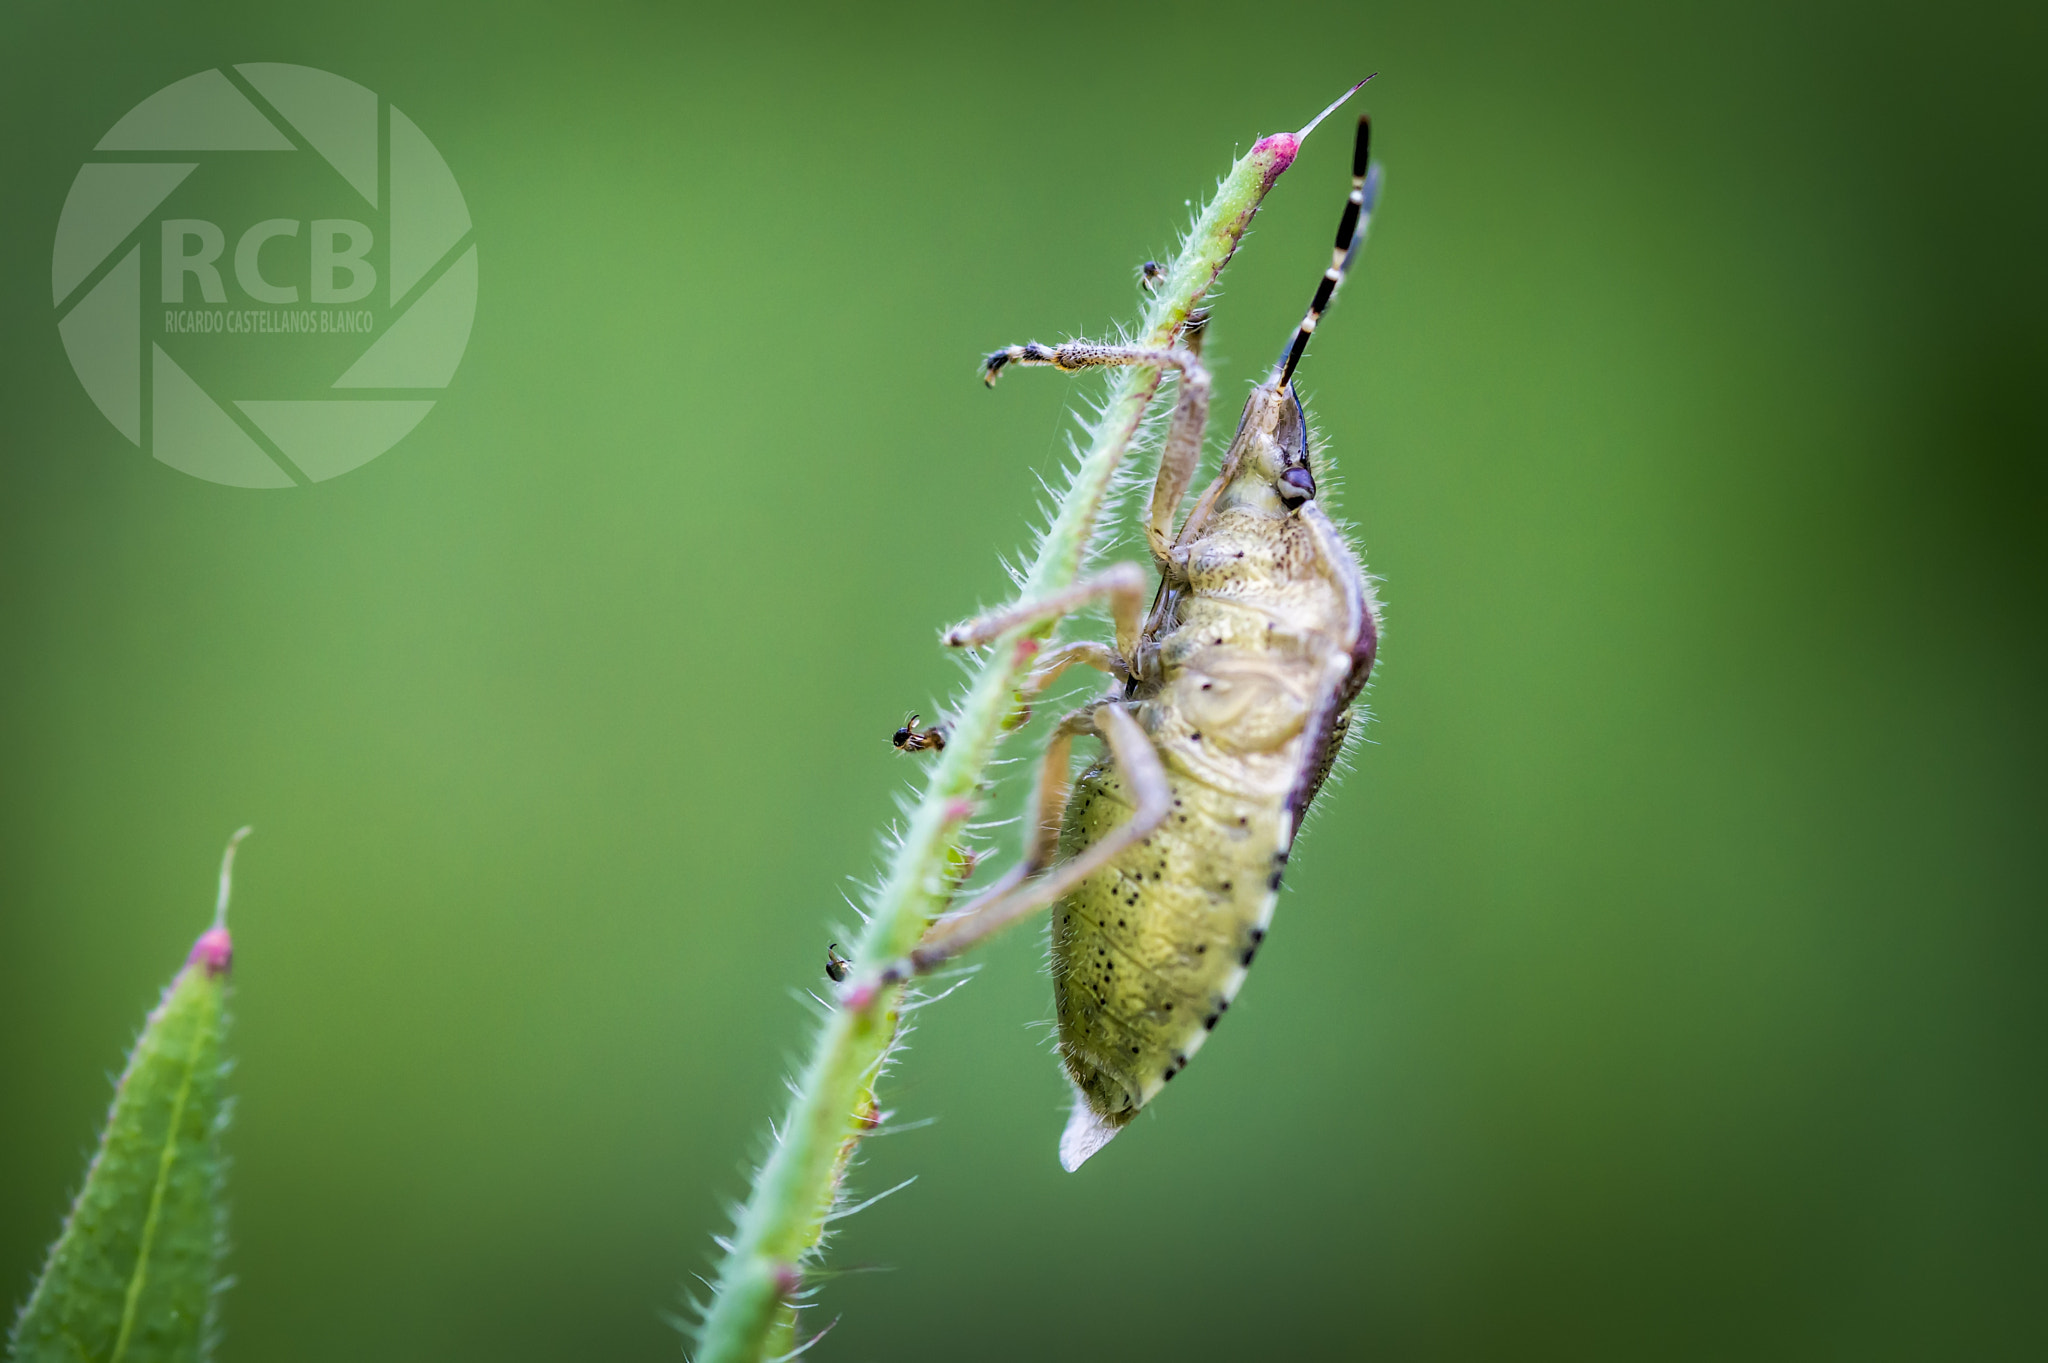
[910, 738]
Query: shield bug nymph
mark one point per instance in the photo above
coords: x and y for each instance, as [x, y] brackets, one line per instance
[1234, 692]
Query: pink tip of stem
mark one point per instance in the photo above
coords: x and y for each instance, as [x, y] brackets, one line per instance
[958, 810]
[215, 950]
[1282, 147]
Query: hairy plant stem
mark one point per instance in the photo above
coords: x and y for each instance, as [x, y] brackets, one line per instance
[751, 1316]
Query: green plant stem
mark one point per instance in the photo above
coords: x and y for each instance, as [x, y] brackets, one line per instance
[833, 1107]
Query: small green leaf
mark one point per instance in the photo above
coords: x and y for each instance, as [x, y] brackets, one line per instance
[131, 1279]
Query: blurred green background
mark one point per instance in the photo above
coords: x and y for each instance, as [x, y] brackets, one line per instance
[1666, 981]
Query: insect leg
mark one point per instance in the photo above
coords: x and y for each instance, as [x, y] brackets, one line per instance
[1182, 452]
[1049, 799]
[1183, 448]
[1074, 355]
[1101, 657]
[1056, 661]
[1018, 895]
[1122, 583]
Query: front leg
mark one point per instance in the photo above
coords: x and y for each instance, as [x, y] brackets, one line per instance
[1183, 449]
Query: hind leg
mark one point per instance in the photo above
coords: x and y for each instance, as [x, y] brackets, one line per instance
[1024, 890]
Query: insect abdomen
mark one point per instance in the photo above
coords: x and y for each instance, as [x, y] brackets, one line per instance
[1149, 952]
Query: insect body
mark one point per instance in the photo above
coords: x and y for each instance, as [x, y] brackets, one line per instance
[836, 966]
[1261, 636]
[1263, 633]
[910, 738]
[1163, 861]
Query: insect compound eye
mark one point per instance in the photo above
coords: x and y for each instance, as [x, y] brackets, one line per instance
[1297, 485]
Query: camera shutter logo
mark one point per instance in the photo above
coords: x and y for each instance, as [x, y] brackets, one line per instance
[422, 282]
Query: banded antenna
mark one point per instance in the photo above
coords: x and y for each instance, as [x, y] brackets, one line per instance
[1365, 191]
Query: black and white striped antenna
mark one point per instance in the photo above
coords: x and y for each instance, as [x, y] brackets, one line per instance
[1365, 190]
